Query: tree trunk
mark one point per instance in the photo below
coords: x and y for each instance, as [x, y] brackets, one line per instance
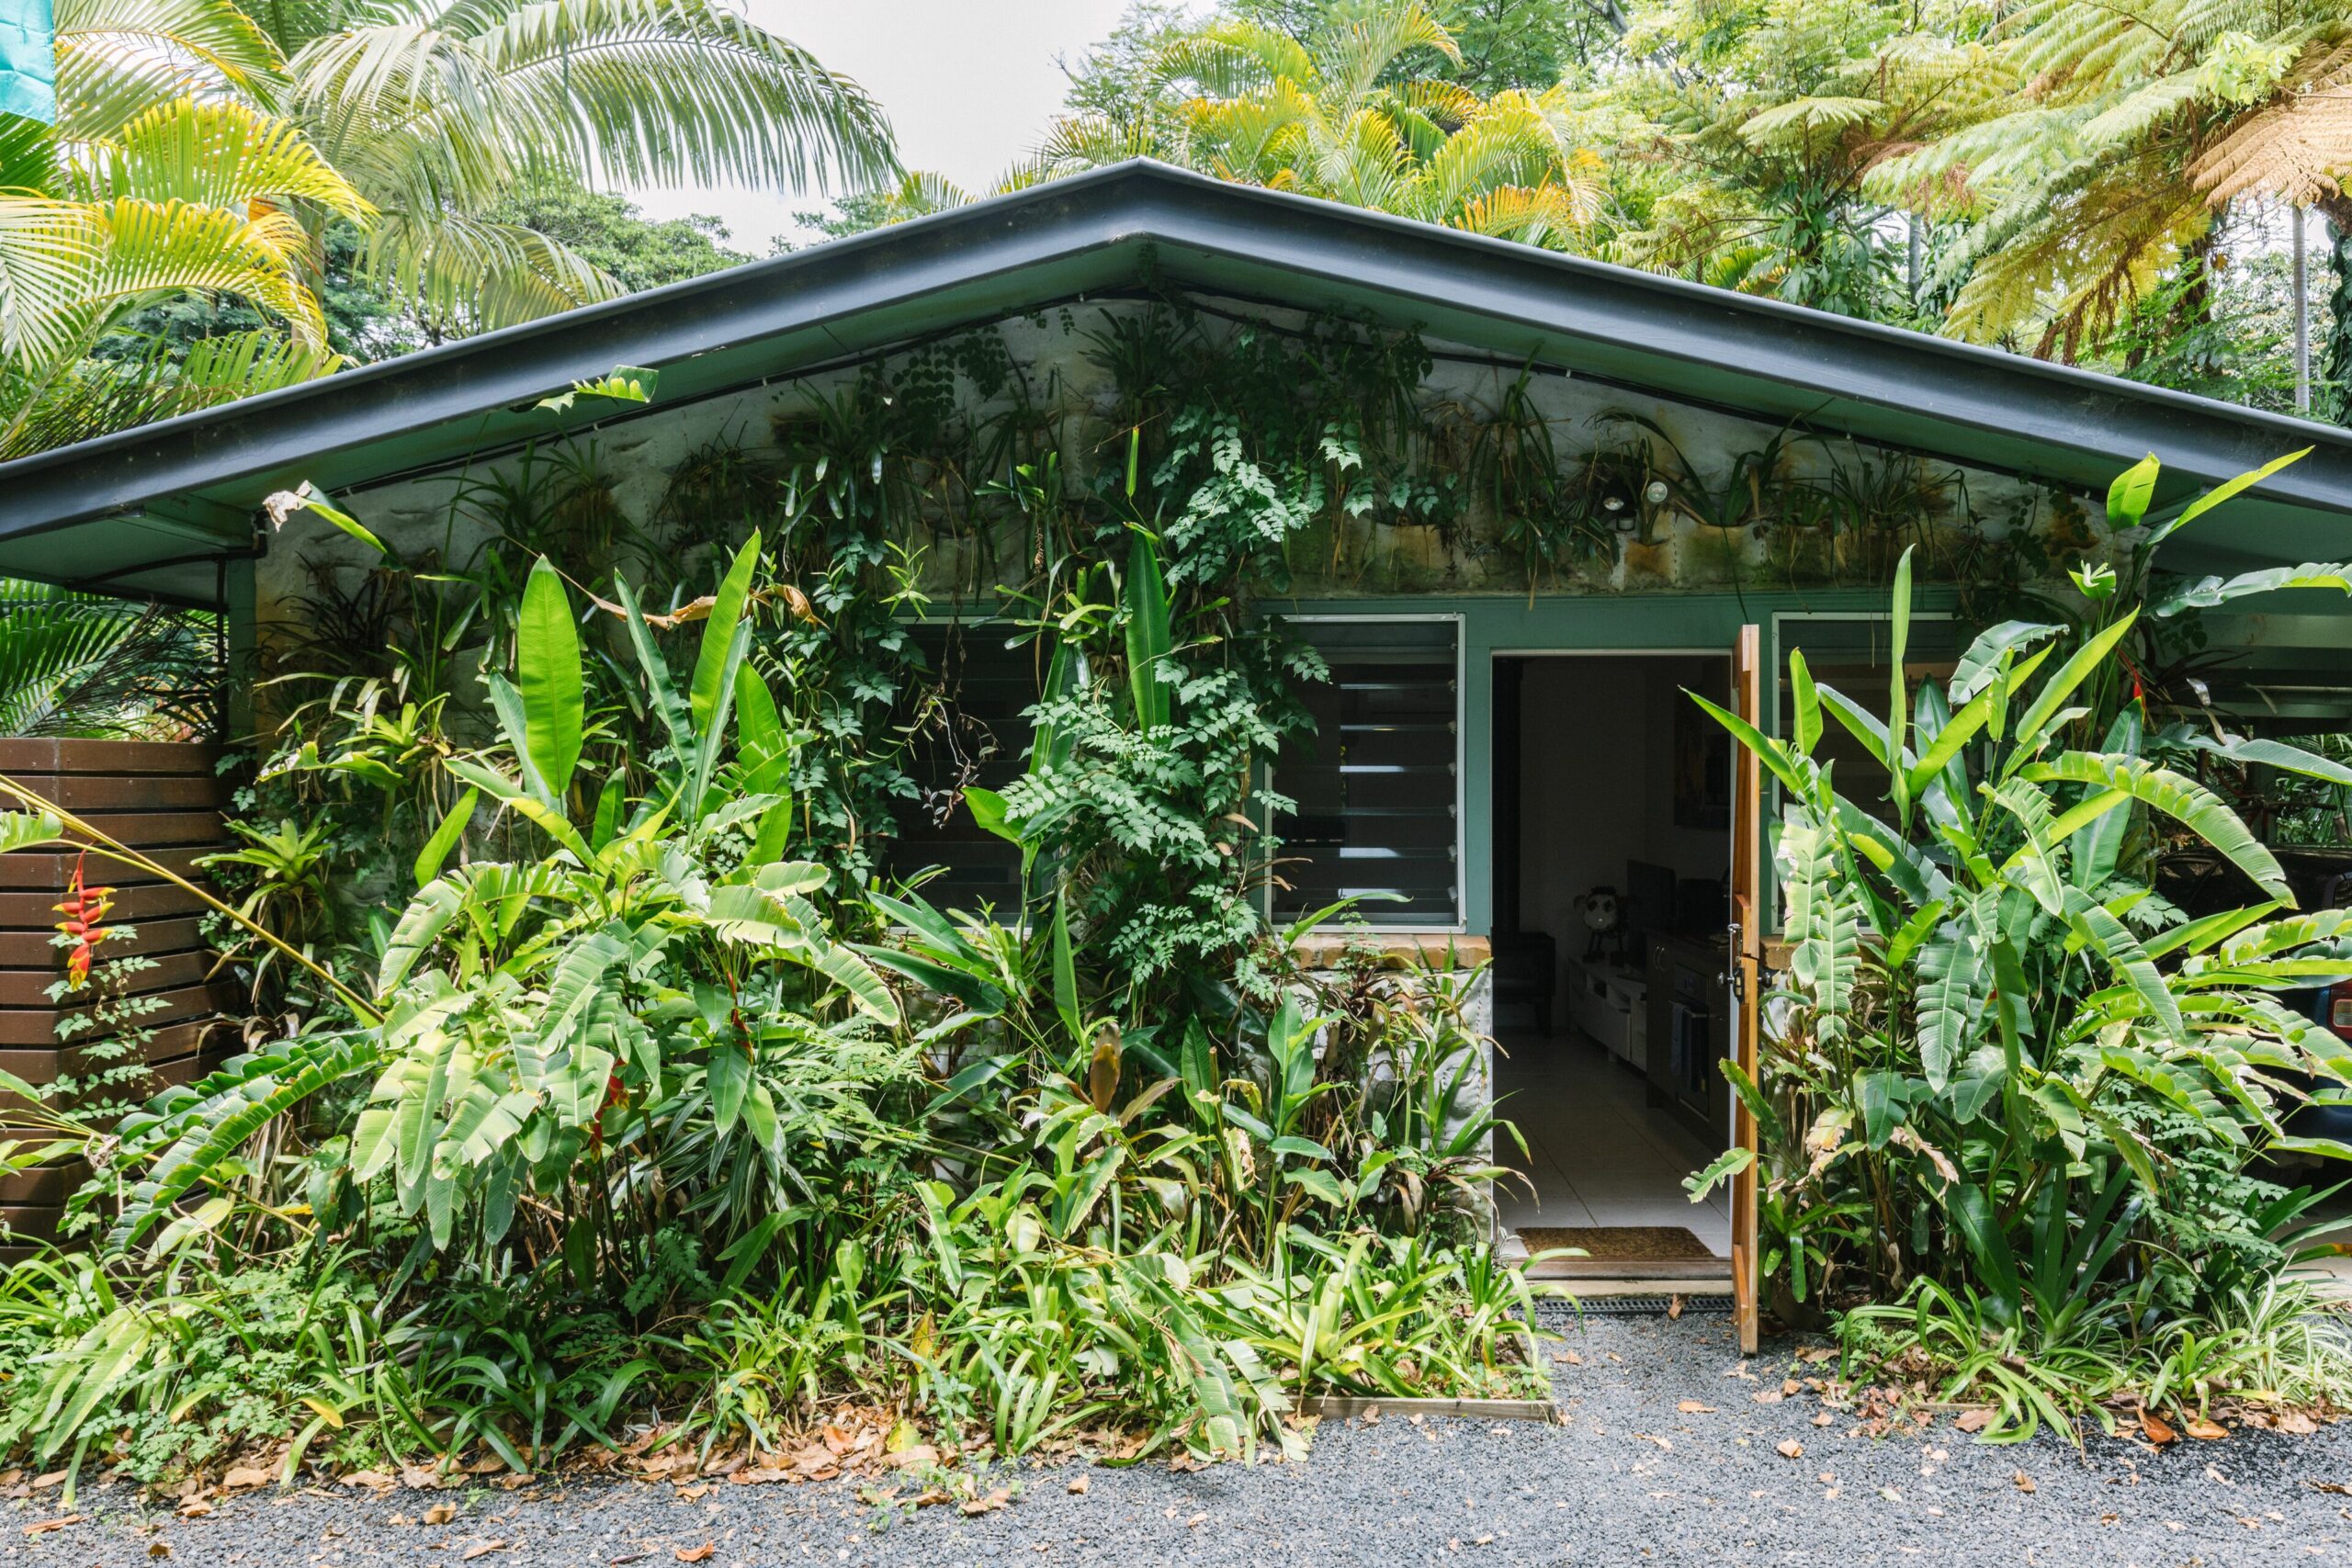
[2332, 397]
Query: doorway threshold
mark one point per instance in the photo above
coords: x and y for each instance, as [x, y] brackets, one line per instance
[1594, 1290]
[1677, 1271]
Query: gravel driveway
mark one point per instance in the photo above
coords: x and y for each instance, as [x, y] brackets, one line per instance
[1632, 1476]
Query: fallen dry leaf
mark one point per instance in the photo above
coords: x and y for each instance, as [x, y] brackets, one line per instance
[374, 1480]
[2156, 1429]
[45, 1526]
[2296, 1423]
[482, 1549]
[694, 1553]
[763, 1476]
[1824, 1419]
[1974, 1420]
[1673, 1307]
[2024, 1482]
[1692, 1407]
[241, 1477]
[1788, 1448]
[1196, 1521]
[989, 1504]
[1077, 1486]
[2206, 1431]
[440, 1513]
[194, 1508]
[1572, 1359]
[53, 1478]
[159, 1549]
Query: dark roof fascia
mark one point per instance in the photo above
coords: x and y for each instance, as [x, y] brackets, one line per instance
[1874, 380]
[468, 385]
[1723, 349]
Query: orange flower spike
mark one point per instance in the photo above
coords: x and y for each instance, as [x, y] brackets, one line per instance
[86, 909]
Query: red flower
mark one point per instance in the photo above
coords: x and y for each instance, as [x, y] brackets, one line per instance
[86, 909]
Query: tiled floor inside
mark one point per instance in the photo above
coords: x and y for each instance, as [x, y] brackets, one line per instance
[1596, 1154]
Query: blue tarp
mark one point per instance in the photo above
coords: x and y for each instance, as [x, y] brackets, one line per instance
[29, 60]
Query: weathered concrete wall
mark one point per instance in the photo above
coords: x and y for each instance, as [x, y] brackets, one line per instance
[1965, 523]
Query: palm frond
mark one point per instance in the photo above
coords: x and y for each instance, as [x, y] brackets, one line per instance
[217, 154]
[647, 90]
[118, 59]
[75, 664]
[475, 275]
[93, 397]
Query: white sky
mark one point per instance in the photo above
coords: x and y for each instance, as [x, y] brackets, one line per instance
[968, 84]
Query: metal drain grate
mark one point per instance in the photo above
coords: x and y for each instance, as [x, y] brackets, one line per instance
[1558, 1315]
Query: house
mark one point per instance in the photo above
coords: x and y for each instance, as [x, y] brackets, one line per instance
[1502, 750]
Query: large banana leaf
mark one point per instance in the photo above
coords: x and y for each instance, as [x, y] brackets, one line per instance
[712, 674]
[547, 672]
[1150, 639]
[2187, 801]
[201, 1127]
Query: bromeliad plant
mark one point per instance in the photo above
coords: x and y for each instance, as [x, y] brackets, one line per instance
[2006, 1083]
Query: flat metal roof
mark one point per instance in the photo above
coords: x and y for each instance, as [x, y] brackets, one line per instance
[154, 509]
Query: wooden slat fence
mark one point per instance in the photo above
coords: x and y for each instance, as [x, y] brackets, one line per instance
[165, 799]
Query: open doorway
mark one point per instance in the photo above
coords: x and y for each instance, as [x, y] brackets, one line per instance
[1612, 844]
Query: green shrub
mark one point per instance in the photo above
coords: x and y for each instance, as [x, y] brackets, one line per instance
[2004, 1083]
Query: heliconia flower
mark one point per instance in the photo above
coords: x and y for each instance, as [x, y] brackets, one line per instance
[86, 909]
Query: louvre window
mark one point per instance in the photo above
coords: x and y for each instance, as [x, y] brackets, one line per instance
[1374, 782]
[974, 733]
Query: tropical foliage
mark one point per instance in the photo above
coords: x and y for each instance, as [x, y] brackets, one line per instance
[642, 1079]
[2012, 1095]
[588, 988]
[206, 148]
[80, 665]
[2107, 145]
[2057, 178]
[1339, 113]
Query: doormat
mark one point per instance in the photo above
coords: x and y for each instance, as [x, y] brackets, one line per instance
[1619, 1244]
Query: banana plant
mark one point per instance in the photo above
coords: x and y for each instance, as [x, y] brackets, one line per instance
[1988, 1009]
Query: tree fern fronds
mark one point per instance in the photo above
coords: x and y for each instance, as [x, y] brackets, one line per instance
[2298, 147]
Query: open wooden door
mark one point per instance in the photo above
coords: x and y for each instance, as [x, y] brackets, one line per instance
[1746, 969]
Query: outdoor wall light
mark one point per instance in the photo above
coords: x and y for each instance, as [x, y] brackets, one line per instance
[1654, 493]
